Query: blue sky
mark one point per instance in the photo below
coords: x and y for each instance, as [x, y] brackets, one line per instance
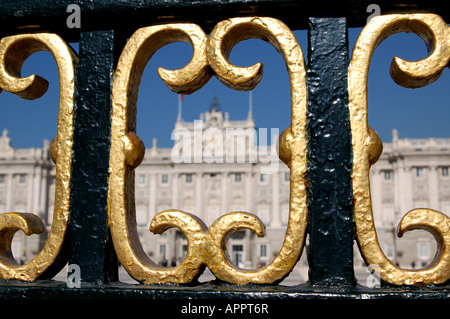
[418, 113]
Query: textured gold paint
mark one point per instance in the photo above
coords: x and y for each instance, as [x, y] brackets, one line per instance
[205, 246]
[127, 151]
[14, 50]
[220, 43]
[367, 147]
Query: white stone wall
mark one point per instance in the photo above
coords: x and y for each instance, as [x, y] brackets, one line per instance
[409, 174]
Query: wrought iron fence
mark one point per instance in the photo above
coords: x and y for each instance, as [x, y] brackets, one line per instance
[96, 148]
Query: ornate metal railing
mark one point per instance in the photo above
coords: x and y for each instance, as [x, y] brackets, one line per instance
[96, 148]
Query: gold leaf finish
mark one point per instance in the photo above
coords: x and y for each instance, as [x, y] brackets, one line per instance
[127, 151]
[293, 148]
[367, 146]
[205, 246]
[14, 50]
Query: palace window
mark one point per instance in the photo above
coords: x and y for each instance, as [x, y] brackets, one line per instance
[237, 177]
[237, 254]
[420, 172]
[444, 171]
[2, 179]
[387, 175]
[164, 178]
[389, 251]
[22, 178]
[162, 251]
[141, 179]
[188, 178]
[263, 251]
[263, 178]
[424, 250]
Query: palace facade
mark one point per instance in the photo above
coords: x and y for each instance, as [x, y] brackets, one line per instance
[217, 166]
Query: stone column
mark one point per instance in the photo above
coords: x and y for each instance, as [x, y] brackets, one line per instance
[36, 193]
[30, 191]
[225, 198]
[433, 188]
[175, 191]
[152, 196]
[199, 195]
[9, 194]
[275, 215]
[43, 198]
[249, 208]
[248, 249]
[248, 192]
[403, 191]
[377, 197]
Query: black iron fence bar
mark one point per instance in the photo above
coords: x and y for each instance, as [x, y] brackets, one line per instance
[130, 15]
[90, 245]
[330, 201]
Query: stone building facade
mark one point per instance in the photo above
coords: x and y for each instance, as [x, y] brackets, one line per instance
[411, 173]
[198, 175]
[27, 184]
[218, 166]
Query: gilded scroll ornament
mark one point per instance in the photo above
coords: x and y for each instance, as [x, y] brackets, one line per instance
[127, 151]
[205, 245]
[220, 43]
[14, 50]
[367, 146]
